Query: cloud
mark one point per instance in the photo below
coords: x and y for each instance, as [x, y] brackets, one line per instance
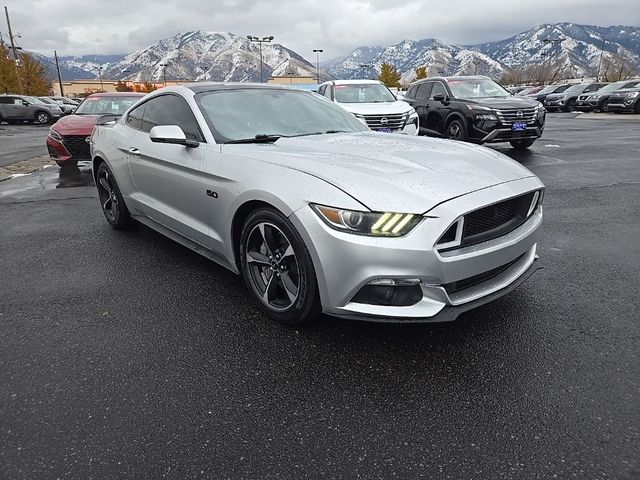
[76, 27]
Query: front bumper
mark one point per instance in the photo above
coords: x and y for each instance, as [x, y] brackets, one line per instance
[345, 263]
[621, 107]
[505, 134]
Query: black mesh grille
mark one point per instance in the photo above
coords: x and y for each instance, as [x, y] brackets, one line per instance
[77, 146]
[495, 220]
[454, 287]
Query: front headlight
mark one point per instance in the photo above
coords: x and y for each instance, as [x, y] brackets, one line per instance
[375, 224]
[633, 94]
[55, 135]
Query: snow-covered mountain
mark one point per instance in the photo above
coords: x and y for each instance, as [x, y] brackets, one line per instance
[215, 56]
[578, 54]
[408, 55]
[576, 49]
[201, 55]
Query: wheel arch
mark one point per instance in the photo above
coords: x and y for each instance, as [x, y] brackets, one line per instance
[455, 116]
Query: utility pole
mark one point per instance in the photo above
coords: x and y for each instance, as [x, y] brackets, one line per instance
[318, 51]
[600, 62]
[15, 50]
[55, 54]
[100, 73]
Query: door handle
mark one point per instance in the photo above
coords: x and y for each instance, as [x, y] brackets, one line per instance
[134, 151]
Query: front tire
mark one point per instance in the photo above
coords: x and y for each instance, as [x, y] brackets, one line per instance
[521, 144]
[277, 268]
[456, 130]
[113, 207]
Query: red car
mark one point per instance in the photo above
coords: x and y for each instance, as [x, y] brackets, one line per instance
[67, 141]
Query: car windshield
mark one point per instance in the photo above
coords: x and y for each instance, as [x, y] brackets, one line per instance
[476, 88]
[104, 105]
[575, 89]
[363, 93]
[612, 87]
[244, 114]
[34, 100]
[46, 100]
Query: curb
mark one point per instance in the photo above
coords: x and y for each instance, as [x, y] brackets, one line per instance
[24, 167]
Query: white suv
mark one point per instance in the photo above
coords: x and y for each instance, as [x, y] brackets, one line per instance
[373, 103]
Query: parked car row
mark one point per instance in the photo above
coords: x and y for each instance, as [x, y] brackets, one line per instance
[622, 96]
[16, 109]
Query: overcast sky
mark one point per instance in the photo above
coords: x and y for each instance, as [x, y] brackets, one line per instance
[77, 27]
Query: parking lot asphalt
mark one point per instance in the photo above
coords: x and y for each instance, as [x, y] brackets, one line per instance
[124, 355]
[21, 142]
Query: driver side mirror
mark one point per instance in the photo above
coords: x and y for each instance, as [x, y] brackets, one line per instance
[25, 103]
[440, 98]
[171, 134]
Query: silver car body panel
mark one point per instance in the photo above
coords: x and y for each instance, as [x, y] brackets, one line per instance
[164, 186]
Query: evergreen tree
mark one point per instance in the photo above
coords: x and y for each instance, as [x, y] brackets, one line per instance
[389, 75]
[421, 72]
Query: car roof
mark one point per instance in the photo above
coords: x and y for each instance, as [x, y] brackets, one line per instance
[355, 82]
[212, 86]
[117, 94]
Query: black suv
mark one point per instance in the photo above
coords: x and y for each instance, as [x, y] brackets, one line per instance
[475, 109]
[626, 100]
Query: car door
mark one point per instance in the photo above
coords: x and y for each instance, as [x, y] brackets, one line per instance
[421, 102]
[168, 182]
[17, 110]
[438, 109]
[6, 106]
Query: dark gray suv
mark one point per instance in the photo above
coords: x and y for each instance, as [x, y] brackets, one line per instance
[21, 108]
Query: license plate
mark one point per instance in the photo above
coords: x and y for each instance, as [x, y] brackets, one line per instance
[384, 130]
[518, 126]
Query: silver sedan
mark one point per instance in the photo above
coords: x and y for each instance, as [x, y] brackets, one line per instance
[315, 211]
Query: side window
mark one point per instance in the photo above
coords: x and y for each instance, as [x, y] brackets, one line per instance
[438, 89]
[423, 91]
[18, 101]
[134, 117]
[322, 89]
[411, 92]
[329, 92]
[6, 100]
[171, 110]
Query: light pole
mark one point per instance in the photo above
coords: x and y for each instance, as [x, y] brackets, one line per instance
[164, 73]
[318, 51]
[362, 67]
[551, 41]
[99, 68]
[600, 62]
[260, 41]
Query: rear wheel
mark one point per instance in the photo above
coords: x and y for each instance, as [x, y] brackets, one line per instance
[521, 144]
[277, 268]
[113, 207]
[456, 130]
[42, 118]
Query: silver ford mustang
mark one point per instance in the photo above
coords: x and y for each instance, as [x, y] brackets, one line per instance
[316, 212]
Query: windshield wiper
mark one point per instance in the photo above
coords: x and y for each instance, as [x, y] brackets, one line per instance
[318, 133]
[260, 138]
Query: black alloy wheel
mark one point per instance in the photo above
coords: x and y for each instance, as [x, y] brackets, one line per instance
[113, 207]
[456, 131]
[277, 268]
[570, 106]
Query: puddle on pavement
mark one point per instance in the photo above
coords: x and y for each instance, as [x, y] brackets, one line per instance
[49, 178]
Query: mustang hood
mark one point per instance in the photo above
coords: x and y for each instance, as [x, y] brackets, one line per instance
[390, 172]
